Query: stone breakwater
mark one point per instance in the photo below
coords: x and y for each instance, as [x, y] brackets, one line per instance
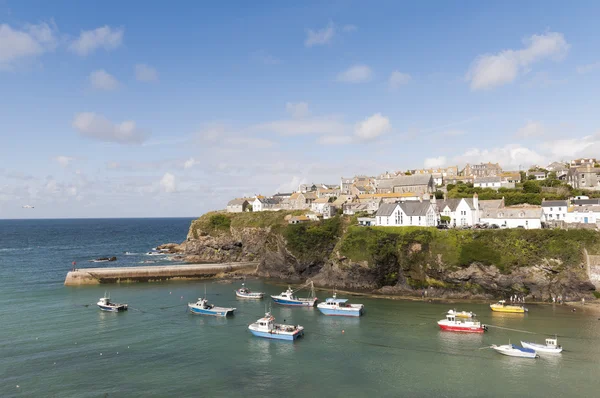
[95, 276]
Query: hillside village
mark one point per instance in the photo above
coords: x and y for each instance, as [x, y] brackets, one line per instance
[478, 196]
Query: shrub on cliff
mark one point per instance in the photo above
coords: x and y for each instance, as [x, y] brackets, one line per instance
[313, 241]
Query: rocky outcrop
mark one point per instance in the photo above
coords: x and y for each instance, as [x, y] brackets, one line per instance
[395, 266]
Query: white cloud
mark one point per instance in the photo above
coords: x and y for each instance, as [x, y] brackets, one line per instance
[102, 80]
[350, 28]
[191, 162]
[372, 127]
[435, 162]
[145, 73]
[320, 37]
[91, 40]
[292, 185]
[92, 125]
[398, 79]
[491, 70]
[531, 129]
[29, 42]
[64, 161]
[587, 146]
[355, 74]
[510, 156]
[297, 110]
[588, 68]
[168, 183]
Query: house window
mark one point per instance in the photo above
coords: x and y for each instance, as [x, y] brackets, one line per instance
[558, 216]
[551, 209]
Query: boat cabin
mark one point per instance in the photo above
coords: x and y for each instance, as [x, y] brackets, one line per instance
[552, 343]
[104, 301]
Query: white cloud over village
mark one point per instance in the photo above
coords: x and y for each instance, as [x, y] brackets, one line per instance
[355, 74]
[18, 44]
[491, 70]
[92, 125]
[102, 80]
[89, 41]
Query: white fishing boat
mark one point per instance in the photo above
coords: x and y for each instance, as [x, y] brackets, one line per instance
[202, 307]
[288, 298]
[106, 305]
[267, 328]
[462, 314]
[246, 293]
[514, 351]
[551, 346]
[340, 307]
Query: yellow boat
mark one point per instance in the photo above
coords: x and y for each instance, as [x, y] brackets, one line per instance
[501, 306]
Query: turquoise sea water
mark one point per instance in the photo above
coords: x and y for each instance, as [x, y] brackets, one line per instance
[54, 342]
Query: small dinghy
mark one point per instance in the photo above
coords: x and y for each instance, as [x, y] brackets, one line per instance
[246, 293]
[288, 298]
[340, 307]
[513, 351]
[452, 324]
[551, 346]
[267, 328]
[202, 307]
[106, 305]
[462, 314]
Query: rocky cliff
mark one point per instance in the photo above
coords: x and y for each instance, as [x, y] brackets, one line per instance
[406, 261]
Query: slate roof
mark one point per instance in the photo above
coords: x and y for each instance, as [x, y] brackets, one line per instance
[451, 203]
[487, 180]
[400, 181]
[321, 200]
[386, 209]
[236, 202]
[490, 204]
[514, 213]
[554, 203]
[415, 208]
[582, 202]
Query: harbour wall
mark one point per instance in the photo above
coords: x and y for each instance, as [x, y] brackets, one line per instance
[95, 276]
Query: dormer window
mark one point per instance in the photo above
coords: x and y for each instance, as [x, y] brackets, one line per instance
[521, 214]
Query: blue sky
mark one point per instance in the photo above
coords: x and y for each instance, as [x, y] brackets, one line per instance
[158, 109]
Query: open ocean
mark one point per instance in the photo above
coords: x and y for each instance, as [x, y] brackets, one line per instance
[54, 341]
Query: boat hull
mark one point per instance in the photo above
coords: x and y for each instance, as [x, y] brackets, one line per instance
[508, 310]
[213, 312]
[113, 309]
[277, 336]
[294, 303]
[530, 354]
[338, 312]
[542, 348]
[464, 329]
[252, 296]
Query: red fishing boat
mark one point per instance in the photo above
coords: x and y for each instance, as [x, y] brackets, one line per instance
[455, 325]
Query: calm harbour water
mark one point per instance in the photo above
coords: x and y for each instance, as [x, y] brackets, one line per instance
[54, 342]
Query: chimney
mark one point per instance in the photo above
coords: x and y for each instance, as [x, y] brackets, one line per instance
[445, 196]
[476, 201]
[420, 199]
[433, 198]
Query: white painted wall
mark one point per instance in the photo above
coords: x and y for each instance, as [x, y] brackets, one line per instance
[554, 213]
[527, 223]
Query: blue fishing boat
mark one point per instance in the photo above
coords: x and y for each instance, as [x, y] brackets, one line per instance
[202, 307]
[288, 298]
[267, 328]
[340, 307]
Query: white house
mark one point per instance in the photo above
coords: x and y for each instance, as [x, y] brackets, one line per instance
[492, 182]
[537, 175]
[261, 203]
[322, 206]
[584, 214]
[462, 212]
[554, 210]
[528, 217]
[237, 205]
[421, 214]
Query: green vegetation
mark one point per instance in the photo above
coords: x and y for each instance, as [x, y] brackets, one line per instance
[530, 191]
[415, 248]
[596, 294]
[313, 241]
[219, 223]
